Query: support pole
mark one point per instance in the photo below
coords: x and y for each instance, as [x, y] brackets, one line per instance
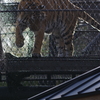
[2, 58]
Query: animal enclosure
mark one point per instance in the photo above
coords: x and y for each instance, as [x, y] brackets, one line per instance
[86, 39]
[21, 69]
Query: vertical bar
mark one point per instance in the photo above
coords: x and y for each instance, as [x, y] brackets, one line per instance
[1, 50]
[2, 58]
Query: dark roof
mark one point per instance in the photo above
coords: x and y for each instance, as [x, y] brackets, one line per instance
[86, 83]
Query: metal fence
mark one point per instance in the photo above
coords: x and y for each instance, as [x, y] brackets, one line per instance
[83, 40]
[46, 72]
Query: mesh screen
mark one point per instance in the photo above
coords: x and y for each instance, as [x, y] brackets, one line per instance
[84, 33]
[86, 41]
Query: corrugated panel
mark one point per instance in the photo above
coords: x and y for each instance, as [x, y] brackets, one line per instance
[86, 83]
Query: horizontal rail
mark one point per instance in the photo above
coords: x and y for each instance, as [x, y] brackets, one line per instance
[46, 10]
[78, 31]
[52, 64]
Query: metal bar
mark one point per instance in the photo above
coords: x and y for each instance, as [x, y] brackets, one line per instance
[52, 64]
[46, 10]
